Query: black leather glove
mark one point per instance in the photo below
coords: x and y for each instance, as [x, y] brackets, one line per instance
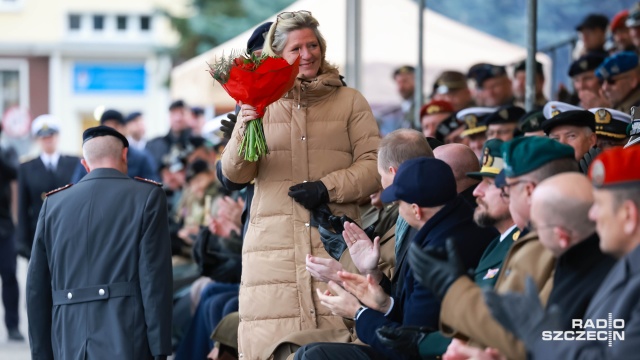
[337, 222]
[228, 125]
[436, 268]
[588, 158]
[310, 194]
[405, 340]
[523, 314]
[333, 243]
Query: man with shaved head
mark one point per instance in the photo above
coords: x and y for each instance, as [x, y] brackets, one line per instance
[101, 263]
[462, 160]
[560, 214]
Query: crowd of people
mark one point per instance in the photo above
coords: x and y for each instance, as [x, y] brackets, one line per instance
[464, 234]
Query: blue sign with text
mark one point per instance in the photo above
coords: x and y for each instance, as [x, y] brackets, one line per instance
[109, 78]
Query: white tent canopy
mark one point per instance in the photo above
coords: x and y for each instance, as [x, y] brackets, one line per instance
[389, 39]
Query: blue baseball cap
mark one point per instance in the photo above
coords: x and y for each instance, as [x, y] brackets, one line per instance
[426, 182]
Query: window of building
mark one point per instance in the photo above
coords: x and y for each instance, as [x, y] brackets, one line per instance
[9, 89]
[98, 22]
[121, 22]
[74, 22]
[145, 23]
[14, 96]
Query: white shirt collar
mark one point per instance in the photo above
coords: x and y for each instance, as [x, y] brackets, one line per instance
[504, 234]
[50, 159]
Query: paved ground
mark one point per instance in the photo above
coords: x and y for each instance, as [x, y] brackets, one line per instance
[14, 350]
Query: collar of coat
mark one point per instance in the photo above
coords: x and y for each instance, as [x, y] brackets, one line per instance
[316, 89]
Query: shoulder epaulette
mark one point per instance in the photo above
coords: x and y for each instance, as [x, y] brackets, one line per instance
[58, 190]
[148, 181]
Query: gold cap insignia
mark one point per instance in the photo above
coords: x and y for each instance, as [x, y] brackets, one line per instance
[471, 121]
[603, 116]
[487, 158]
[555, 112]
[504, 114]
[433, 109]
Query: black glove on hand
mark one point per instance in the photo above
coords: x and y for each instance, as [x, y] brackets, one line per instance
[523, 314]
[405, 340]
[338, 225]
[228, 125]
[310, 194]
[435, 268]
[588, 158]
[333, 243]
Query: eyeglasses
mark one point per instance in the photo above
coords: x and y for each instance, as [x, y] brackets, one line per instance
[612, 81]
[290, 14]
[505, 190]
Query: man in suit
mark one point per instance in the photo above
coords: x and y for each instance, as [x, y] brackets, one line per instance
[48, 171]
[99, 282]
[139, 163]
[177, 137]
[616, 210]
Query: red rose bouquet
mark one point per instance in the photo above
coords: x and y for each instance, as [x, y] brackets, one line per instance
[258, 81]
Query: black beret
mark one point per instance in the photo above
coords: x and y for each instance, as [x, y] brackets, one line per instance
[593, 21]
[522, 66]
[196, 167]
[505, 115]
[102, 130]
[483, 72]
[256, 41]
[572, 117]
[132, 117]
[531, 121]
[585, 63]
[176, 105]
[197, 111]
[112, 115]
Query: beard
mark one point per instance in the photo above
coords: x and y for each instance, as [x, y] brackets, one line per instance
[484, 219]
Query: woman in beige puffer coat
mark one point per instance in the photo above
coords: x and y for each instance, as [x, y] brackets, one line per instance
[322, 135]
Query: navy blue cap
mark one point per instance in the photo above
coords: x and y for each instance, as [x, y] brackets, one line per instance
[585, 63]
[132, 116]
[617, 64]
[178, 104]
[111, 115]
[483, 72]
[426, 182]
[256, 41]
[102, 130]
[594, 21]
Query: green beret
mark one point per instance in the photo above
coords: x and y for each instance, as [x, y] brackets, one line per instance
[525, 154]
[492, 161]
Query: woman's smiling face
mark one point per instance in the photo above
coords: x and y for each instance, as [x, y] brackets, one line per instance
[304, 43]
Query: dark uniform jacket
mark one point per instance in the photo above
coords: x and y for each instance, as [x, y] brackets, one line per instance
[415, 305]
[486, 274]
[34, 181]
[618, 295]
[99, 281]
[579, 273]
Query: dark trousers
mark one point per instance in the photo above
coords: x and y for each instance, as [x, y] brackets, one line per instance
[217, 301]
[10, 295]
[336, 351]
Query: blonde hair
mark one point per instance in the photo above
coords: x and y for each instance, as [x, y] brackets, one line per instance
[279, 31]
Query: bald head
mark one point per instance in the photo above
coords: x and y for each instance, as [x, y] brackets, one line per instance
[104, 152]
[560, 211]
[462, 160]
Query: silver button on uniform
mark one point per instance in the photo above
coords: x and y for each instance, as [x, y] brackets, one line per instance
[69, 296]
[306, 224]
[101, 292]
